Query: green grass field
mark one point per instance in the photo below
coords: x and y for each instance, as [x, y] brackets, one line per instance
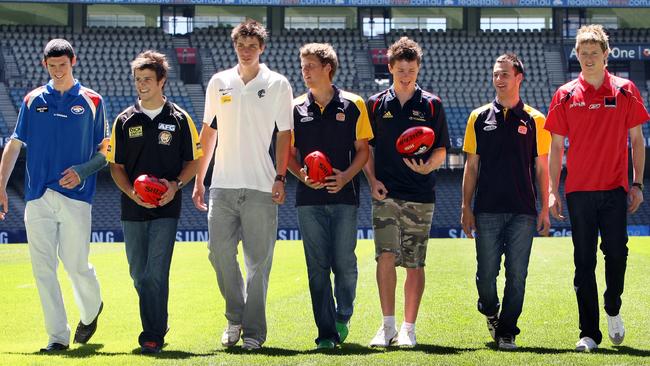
[449, 329]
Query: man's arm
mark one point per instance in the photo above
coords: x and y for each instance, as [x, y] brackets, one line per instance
[282, 144]
[377, 188]
[555, 170]
[470, 177]
[208, 138]
[635, 195]
[9, 157]
[541, 175]
[75, 174]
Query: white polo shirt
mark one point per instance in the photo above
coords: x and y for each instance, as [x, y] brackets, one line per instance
[245, 117]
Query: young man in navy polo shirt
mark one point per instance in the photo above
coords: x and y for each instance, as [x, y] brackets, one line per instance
[402, 188]
[505, 141]
[334, 122]
[63, 127]
[158, 138]
[597, 111]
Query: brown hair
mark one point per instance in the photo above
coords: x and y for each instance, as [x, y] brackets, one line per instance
[325, 54]
[151, 60]
[593, 33]
[512, 59]
[249, 28]
[404, 49]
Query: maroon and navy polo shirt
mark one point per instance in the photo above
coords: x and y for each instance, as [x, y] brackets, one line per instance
[596, 121]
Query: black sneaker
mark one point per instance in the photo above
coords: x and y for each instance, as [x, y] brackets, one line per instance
[54, 347]
[506, 342]
[84, 332]
[149, 348]
[492, 325]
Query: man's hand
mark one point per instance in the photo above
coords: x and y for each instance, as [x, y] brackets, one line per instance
[70, 179]
[277, 192]
[198, 196]
[378, 190]
[468, 221]
[172, 188]
[634, 199]
[308, 182]
[137, 199]
[555, 205]
[543, 223]
[337, 181]
[4, 201]
[419, 166]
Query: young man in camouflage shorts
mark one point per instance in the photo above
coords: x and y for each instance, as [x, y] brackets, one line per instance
[402, 188]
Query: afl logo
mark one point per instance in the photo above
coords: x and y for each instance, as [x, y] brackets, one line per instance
[77, 109]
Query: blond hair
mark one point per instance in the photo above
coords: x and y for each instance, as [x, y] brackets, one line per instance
[594, 34]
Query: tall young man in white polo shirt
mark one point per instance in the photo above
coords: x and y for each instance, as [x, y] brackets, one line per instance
[243, 106]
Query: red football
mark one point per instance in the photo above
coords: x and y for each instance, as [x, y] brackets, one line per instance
[149, 188]
[318, 166]
[415, 141]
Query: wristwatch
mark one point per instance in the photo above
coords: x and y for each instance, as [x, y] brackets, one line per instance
[179, 182]
[639, 185]
[281, 178]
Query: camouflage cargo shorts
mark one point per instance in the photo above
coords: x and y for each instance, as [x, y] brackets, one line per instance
[402, 227]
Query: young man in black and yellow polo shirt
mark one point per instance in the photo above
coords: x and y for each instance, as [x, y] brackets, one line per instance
[155, 137]
[506, 145]
[334, 122]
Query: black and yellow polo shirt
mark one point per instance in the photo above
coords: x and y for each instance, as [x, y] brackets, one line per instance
[158, 147]
[388, 120]
[333, 130]
[507, 141]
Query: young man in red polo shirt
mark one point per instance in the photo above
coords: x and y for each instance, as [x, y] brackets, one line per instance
[596, 111]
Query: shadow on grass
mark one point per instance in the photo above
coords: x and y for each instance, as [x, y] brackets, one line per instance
[266, 351]
[433, 349]
[347, 349]
[618, 350]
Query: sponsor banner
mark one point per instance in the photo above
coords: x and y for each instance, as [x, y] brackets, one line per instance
[384, 3]
[623, 52]
[379, 56]
[186, 55]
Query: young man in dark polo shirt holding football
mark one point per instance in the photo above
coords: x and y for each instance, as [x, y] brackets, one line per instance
[597, 111]
[334, 122]
[402, 189]
[506, 144]
[154, 137]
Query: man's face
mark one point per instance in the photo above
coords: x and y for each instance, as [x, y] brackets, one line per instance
[592, 58]
[146, 85]
[60, 68]
[314, 73]
[405, 73]
[505, 80]
[248, 50]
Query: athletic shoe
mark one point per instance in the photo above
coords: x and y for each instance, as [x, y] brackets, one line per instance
[492, 325]
[343, 329]
[326, 344]
[586, 344]
[150, 348]
[616, 329]
[54, 347]
[385, 337]
[84, 332]
[231, 335]
[506, 343]
[250, 344]
[406, 338]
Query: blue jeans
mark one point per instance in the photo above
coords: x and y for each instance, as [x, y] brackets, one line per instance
[329, 236]
[512, 235]
[149, 246]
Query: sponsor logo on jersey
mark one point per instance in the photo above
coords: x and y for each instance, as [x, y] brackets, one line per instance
[226, 99]
[261, 93]
[41, 109]
[166, 127]
[61, 115]
[135, 131]
[489, 128]
[77, 109]
[306, 119]
[164, 138]
[340, 117]
[577, 104]
[387, 115]
[418, 114]
[522, 130]
[610, 102]
[594, 106]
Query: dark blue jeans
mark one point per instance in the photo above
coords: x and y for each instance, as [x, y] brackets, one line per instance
[499, 234]
[329, 236]
[591, 212]
[149, 247]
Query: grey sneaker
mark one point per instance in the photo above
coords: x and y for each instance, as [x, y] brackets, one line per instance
[492, 325]
[250, 344]
[231, 335]
[586, 344]
[616, 329]
[506, 343]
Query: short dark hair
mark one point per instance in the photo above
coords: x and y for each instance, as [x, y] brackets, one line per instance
[58, 47]
[517, 64]
[151, 60]
[404, 49]
[325, 54]
[249, 28]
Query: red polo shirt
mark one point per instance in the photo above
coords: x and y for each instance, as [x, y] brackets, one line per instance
[596, 123]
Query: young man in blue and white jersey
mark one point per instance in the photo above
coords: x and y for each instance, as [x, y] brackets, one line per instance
[63, 127]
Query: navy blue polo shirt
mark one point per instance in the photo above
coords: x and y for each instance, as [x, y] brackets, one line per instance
[389, 120]
[332, 130]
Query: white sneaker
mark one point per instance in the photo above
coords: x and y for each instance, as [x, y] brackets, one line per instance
[586, 344]
[492, 325]
[231, 335]
[406, 338]
[616, 329]
[385, 337]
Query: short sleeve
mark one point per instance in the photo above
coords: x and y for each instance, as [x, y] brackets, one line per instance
[556, 121]
[210, 112]
[284, 116]
[637, 112]
[469, 142]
